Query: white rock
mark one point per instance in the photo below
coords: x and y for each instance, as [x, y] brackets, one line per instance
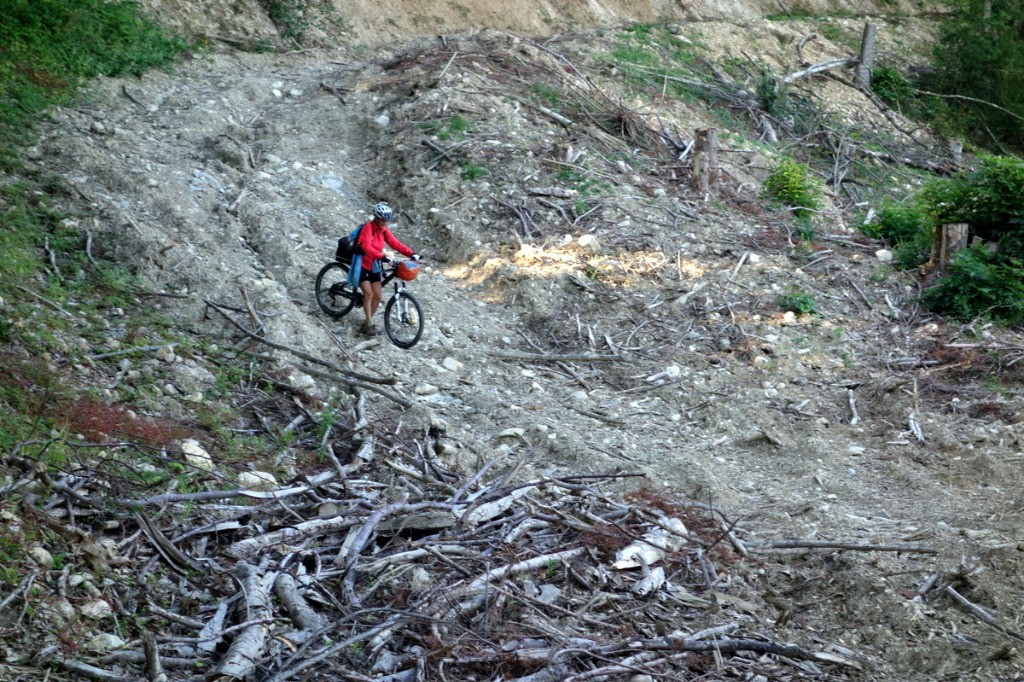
[549, 594]
[789, 318]
[166, 354]
[97, 609]
[41, 556]
[580, 396]
[425, 389]
[451, 364]
[104, 642]
[512, 433]
[753, 259]
[196, 455]
[855, 450]
[419, 580]
[383, 120]
[257, 480]
[884, 255]
[302, 383]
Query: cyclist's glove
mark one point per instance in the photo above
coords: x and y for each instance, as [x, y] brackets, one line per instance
[415, 256]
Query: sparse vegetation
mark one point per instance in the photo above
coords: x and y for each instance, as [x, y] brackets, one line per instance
[792, 184]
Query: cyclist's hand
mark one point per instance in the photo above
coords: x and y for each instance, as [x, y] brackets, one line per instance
[415, 256]
[387, 262]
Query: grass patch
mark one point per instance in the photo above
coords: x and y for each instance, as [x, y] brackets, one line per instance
[51, 46]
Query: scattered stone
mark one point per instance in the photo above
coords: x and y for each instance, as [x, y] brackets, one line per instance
[451, 364]
[301, 383]
[549, 594]
[165, 354]
[196, 455]
[425, 389]
[41, 556]
[104, 642]
[97, 609]
[383, 120]
[884, 255]
[257, 480]
[419, 580]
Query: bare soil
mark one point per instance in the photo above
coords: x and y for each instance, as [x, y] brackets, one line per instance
[240, 170]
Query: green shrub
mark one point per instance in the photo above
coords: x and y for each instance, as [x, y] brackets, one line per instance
[791, 183]
[982, 284]
[990, 199]
[50, 46]
[798, 301]
[891, 85]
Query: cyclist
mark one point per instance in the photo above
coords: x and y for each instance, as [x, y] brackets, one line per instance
[373, 236]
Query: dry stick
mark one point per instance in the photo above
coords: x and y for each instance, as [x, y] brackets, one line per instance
[46, 301]
[362, 539]
[521, 213]
[304, 617]
[854, 417]
[126, 351]
[294, 351]
[154, 668]
[330, 651]
[825, 544]
[530, 357]
[91, 671]
[357, 385]
[980, 613]
[240, 660]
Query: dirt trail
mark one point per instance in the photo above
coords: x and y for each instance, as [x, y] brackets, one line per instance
[240, 170]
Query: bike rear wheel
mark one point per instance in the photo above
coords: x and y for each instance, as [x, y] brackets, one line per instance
[403, 319]
[334, 294]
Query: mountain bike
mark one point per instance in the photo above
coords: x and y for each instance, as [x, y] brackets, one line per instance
[403, 316]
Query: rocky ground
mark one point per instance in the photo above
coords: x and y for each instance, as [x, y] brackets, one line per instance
[868, 421]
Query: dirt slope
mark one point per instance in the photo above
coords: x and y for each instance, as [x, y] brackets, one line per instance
[328, 23]
[240, 170]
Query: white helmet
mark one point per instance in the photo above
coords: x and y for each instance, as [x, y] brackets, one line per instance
[383, 211]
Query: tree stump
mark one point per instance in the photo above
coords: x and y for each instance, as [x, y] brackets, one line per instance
[705, 159]
[866, 61]
[946, 241]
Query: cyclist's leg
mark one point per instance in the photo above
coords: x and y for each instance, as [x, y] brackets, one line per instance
[366, 287]
[376, 288]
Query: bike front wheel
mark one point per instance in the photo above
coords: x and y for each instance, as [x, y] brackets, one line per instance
[403, 320]
[334, 294]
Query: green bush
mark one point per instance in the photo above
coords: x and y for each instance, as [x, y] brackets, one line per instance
[798, 301]
[990, 199]
[791, 183]
[982, 284]
[891, 85]
[50, 46]
[980, 55]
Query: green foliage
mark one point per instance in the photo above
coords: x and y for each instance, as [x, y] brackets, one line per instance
[546, 94]
[447, 128]
[471, 171]
[791, 183]
[289, 16]
[798, 301]
[891, 85]
[50, 46]
[982, 284]
[991, 199]
[980, 54]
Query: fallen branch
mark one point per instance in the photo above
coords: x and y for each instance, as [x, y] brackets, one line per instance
[852, 546]
[571, 357]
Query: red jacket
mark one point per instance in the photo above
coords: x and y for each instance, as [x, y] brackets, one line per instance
[372, 239]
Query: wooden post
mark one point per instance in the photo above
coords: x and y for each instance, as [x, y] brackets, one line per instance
[947, 240]
[705, 159]
[866, 61]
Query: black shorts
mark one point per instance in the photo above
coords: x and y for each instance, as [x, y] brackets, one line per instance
[368, 276]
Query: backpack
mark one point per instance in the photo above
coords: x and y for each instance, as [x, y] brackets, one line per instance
[347, 247]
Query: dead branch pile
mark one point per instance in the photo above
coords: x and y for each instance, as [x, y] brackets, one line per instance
[410, 571]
